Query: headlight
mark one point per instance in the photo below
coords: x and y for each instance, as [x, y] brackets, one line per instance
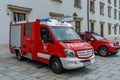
[111, 44]
[69, 53]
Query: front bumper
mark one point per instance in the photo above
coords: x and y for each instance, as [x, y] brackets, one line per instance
[74, 63]
[114, 49]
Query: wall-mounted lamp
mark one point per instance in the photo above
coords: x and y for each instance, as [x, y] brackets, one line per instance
[7, 12]
[75, 15]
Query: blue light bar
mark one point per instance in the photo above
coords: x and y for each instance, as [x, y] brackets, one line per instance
[45, 20]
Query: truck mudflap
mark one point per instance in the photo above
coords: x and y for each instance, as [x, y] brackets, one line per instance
[74, 63]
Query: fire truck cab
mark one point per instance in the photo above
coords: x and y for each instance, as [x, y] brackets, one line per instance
[52, 42]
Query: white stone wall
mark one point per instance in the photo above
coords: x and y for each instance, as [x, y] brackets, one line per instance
[96, 16]
[41, 9]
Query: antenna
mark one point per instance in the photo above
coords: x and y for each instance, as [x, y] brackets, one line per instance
[66, 18]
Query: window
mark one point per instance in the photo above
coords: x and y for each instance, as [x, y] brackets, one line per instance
[77, 26]
[119, 15]
[27, 29]
[65, 33]
[58, 1]
[109, 29]
[119, 29]
[92, 6]
[78, 21]
[109, 1]
[115, 3]
[109, 11]
[115, 29]
[102, 28]
[45, 35]
[119, 4]
[92, 25]
[115, 14]
[88, 37]
[19, 16]
[102, 8]
[77, 3]
[19, 13]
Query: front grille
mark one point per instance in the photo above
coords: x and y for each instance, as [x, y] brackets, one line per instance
[116, 44]
[84, 53]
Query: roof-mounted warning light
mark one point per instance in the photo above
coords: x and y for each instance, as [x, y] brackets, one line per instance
[45, 20]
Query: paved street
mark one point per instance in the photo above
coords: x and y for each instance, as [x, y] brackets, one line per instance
[105, 68]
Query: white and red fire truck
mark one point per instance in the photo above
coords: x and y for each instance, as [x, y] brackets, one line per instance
[52, 42]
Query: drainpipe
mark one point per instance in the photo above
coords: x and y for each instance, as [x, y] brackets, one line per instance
[88, 15]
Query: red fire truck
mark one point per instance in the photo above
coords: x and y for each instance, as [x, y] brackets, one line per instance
[52, 42]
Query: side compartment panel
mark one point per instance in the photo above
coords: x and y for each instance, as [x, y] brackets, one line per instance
[15, 36]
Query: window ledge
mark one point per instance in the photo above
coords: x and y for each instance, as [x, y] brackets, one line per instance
[13, 7]
[101, 14]
[109, 16]
[92, 11]
[78, 7]
[58, 1]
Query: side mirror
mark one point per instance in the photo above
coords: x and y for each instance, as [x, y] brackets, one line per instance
[91, 39]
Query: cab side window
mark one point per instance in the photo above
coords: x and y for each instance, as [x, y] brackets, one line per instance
[27, 29]
[45, 35]
[88, 37]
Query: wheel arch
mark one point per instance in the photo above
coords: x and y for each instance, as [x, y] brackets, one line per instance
[50, 60]
[102, 46]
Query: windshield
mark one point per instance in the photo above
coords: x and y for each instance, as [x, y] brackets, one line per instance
[65, 33]
[98, 37]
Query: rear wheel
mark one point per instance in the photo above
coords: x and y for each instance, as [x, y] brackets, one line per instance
[56, 66]
[103, 51]
[18, 55]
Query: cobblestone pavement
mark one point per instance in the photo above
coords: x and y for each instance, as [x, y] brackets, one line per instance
[105, 68]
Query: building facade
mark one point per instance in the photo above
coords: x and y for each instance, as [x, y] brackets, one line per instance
[105, 17]
[100, 16]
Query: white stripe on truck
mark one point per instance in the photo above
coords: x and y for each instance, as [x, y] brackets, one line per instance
[42, 55]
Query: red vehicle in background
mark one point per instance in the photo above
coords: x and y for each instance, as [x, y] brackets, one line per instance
[101, 46]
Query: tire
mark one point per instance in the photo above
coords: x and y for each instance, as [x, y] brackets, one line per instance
[56, 66]
[18, 55]
[103, 51]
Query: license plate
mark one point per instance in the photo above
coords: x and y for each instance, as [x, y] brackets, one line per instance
[87, 63]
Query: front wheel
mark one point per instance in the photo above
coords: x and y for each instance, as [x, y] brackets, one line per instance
[56, 66]
[103, 51]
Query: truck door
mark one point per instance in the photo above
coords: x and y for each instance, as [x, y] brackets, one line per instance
[90, 39]
[46, 46]
[27, 40]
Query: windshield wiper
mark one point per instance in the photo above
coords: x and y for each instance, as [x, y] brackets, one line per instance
[77, 39]
[66, 41]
